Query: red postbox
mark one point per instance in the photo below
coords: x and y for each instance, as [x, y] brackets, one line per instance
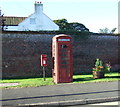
[62, 58]
[44, 60]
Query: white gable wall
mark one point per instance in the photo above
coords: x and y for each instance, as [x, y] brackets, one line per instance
[26, 24]
[49, 24]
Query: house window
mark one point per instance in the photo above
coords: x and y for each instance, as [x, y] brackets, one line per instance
[32, 21]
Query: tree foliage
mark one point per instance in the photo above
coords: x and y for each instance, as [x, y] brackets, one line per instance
[113, 30]
[74, 26]
[62, 23]
[2, 22]
[106, 30]
[77, 27]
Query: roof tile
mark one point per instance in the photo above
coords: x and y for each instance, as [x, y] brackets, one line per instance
[12, 20]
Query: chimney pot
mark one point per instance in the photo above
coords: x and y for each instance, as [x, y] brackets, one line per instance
[38, 7]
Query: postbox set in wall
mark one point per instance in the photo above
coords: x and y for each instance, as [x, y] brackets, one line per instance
[62, 58]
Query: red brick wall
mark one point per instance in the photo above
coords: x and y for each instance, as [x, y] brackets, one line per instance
[21, 53]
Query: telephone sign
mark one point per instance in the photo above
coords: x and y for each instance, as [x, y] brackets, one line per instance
[63, 39]
[62, 58]
[43, 60]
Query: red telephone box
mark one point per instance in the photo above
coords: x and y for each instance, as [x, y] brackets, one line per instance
[62, 58]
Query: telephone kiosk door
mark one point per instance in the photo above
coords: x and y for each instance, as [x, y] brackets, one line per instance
[62, 59]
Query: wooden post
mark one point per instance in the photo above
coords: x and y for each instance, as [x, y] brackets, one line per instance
[44, 73]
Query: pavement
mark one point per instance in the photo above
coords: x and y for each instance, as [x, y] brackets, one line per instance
[107, 104]
[65, 94]
[8, 84]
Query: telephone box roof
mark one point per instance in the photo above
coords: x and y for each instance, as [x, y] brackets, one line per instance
[60, 35]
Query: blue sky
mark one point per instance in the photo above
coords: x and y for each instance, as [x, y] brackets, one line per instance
[94, 14]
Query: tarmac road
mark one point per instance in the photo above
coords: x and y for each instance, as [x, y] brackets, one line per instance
[61, 94]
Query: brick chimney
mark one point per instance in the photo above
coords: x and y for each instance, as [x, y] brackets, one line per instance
[38, 7]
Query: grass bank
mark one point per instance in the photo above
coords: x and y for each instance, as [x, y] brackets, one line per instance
[36, 82]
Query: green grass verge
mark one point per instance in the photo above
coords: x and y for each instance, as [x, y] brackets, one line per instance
[36, 82]
[29, 82]
[89, 78]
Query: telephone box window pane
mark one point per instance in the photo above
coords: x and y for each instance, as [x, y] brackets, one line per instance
[64, 62]
[63, 66]
[64, 54]
[64, 46]
[65, 58]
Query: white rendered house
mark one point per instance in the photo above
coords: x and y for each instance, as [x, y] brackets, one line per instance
[35, 22]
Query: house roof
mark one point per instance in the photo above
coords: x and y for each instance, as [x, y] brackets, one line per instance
[12, 20]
